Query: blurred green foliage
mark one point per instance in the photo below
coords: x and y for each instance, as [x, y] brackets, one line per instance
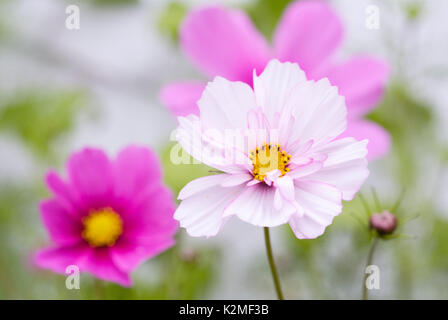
[18, 221]
[266, 14]
[171, 18]
[40, 117]
[437, 241]
[413, 10]
[175, 274]
[187, 274]
[411, 125]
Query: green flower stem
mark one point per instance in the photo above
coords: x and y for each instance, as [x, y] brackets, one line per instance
[369, 262]
[274, 272]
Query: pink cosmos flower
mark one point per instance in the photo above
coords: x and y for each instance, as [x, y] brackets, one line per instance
[222, 42]
[288, 164]
[109, 216]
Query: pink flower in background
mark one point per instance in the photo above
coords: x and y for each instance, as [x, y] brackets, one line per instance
[109, 216]
[294, 170]
[223, 42]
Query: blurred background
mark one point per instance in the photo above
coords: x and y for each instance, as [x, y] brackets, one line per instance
[64, 89]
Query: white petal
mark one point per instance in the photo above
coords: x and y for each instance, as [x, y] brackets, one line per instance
[273, 86]
[321, 203]
[305, 170]
[345, 167]
[272, 176]
[236, 179]
[202, 213]
[319, 110]
[201, 184]
[253, 182]
[256, 206]
[278, 201]
[286, 187]
[297, 148]
[203, 148]
[224, 104]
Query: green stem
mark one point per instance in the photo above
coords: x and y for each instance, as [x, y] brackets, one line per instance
[369, 262]
[275, 277]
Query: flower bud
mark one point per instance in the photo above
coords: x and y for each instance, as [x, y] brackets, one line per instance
[189, 255]
[384, 223]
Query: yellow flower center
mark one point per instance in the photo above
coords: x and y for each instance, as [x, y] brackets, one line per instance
[102, 227]
[267, 158]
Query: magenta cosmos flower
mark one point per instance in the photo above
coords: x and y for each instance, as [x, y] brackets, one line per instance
[283, 163]
[109, 216]
[222, 42]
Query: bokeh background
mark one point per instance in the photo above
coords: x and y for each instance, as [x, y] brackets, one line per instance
[64, 89]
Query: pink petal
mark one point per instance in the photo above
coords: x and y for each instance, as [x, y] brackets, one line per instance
[321, 203]
[65, 193]
[59, 258]
[181, 98]
[128, 256]
[151, 218]
[308, 33]
[135, 169]
[345, 167]
[100, 264]
[224, 42]
[379, 138]
[361, 81]
[90, 173]
[63, 228]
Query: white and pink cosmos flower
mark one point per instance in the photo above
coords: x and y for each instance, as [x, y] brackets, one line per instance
[295, 168]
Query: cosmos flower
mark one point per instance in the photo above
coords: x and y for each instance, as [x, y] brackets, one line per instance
[285, 163]
[223, 42]
[109, 216]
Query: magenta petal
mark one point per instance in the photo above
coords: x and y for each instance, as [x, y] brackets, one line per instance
[379, 139]
[128, 256]
[135, 169]
[181, 98]
[224, 42]
[362, 81]
[58, 259]
[64, 192]
[90, 173]
[309, 32]
[63, 228]
[100, 264]
[151, 220]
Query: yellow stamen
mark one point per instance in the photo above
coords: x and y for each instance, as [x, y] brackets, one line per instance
[102, 227]
[267, 159]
